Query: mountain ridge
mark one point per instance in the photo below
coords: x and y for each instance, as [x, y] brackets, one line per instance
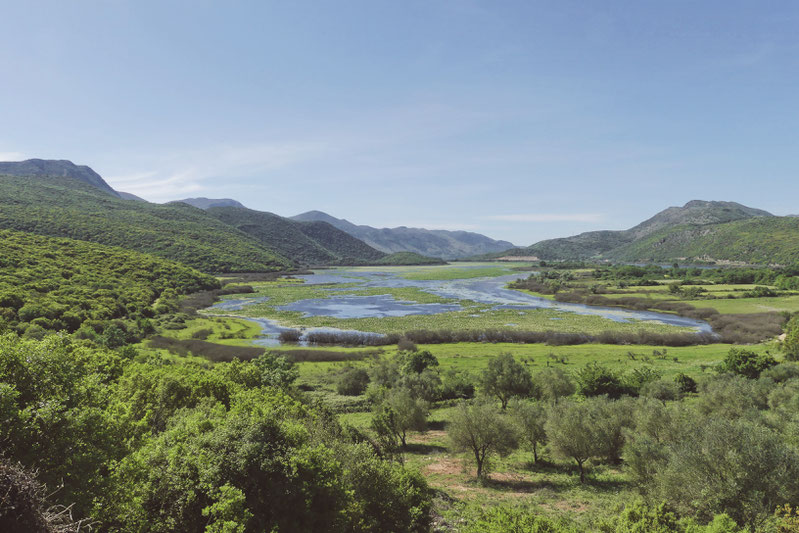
[432, 243]
[61, 168]
[207, 203]
[679, 233]
[312, 242]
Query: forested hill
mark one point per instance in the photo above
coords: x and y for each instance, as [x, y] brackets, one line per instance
[771, 240]
[207, 203]
[431, 243]
[67, 207]
[49, 168]
[308, 242]
[699, 230]
[57, 284]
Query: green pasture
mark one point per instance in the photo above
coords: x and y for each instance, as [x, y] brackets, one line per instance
[475, 270]
[551, 487]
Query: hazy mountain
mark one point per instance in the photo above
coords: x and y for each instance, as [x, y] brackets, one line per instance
[431, 243]
[308, 242]
[129, 196]
[57, 198]
[207, 203]
[691, 231]
[44, 168]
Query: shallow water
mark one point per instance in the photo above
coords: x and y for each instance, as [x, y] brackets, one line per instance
[490, 291]
[365, 307]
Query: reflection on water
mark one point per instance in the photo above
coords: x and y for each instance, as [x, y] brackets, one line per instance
[488, 291]
[365, 307]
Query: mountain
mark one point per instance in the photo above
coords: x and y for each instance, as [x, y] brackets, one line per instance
[49, 168]
[697, 213]
[431, 243]
[699, 230]
[129, 196]
[207, 203]
[71, 207]
[759, 240]
[74, 202]
[314, 243]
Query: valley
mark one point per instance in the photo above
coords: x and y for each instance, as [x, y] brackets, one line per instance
[189, 325]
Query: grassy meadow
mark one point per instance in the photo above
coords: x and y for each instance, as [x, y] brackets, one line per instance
[551, 486]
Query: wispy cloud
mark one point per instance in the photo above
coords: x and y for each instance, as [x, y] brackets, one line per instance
[155, 187]
[548, 217]
[182, 173]
[12, 156]
[454, 226]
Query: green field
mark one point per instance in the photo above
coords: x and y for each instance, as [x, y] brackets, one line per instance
[550, 487]
[456, 272]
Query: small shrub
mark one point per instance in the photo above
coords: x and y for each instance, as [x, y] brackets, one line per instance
[353, 382]
[686, 383]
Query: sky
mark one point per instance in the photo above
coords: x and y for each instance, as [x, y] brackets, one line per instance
[521, 120]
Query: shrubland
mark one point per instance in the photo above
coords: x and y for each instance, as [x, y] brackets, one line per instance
[132, 443]
[108, 294]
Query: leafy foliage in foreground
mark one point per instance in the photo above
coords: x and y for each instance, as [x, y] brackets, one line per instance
[64, 207]
[157, 447]
[63, 284]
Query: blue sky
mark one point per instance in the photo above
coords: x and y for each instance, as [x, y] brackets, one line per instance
[521, 120]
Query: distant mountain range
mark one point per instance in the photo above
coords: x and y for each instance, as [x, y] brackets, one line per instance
[60, 199]
[315, 243]
[207, 203]
[432, 243]
[129, 196]
[699, 230]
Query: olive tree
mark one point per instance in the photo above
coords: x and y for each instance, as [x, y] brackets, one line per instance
[790, 345]
[592, 429]
[553, 384]
[732, 466]
[397, 414]
[573, 434]
[482, 430]
[505, 378]
[530, 418]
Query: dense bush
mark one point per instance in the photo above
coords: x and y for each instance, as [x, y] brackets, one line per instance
[62, 284]
[597, 380]
[746, 363]
[352, 382]
[149, 445]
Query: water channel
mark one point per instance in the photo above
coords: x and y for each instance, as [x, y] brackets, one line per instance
[488, 290]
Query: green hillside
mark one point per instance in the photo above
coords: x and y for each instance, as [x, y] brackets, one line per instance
[773, 240]
[410, 258]
[310, 243]
[66, 207]
[697, 230]
[62, 284]
[51, 168]
[424, 242]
